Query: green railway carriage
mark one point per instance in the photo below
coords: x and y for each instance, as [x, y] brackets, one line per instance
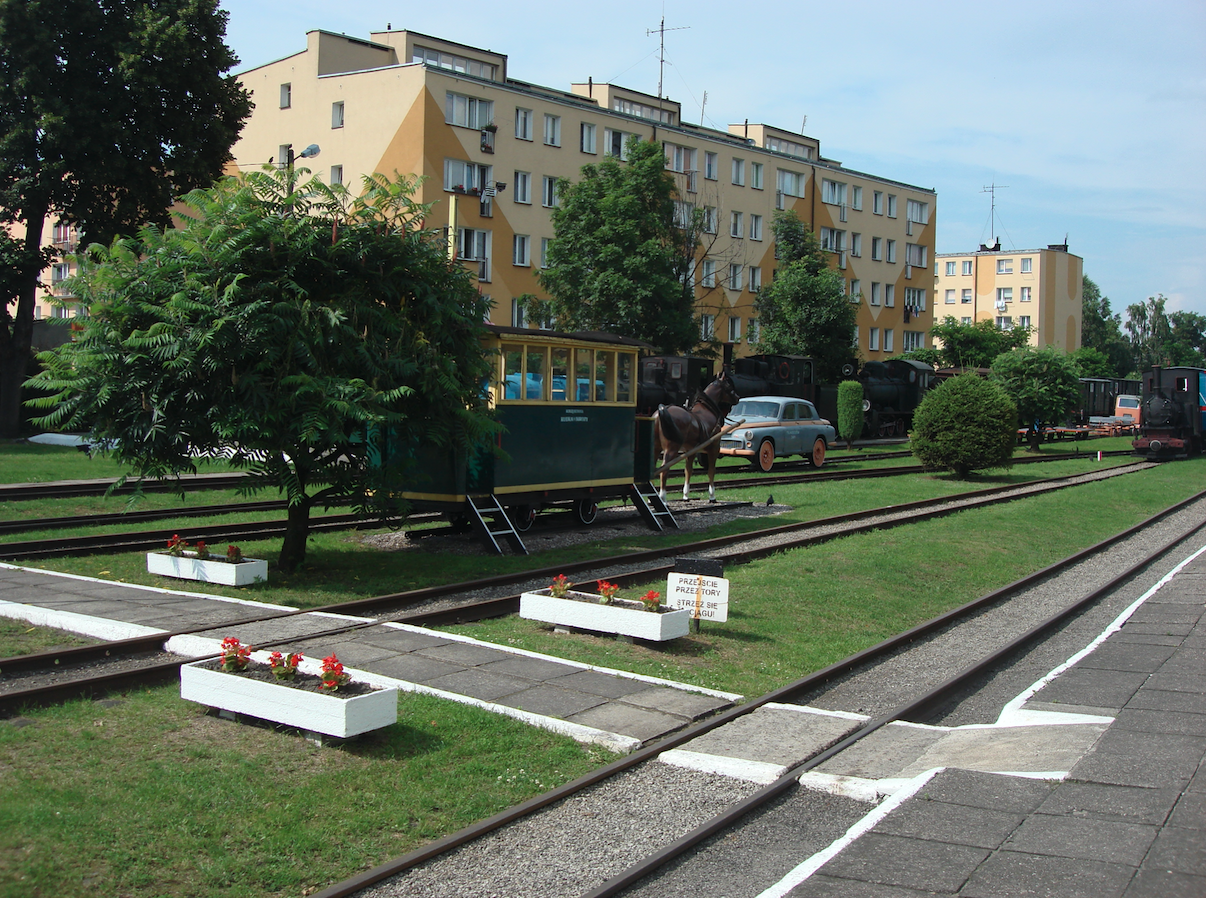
[569, 433]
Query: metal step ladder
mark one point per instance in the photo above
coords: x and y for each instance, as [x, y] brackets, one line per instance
[651, 506]
[491, 520]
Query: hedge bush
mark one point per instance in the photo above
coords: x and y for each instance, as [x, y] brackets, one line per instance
[850, 411]
[966, 424]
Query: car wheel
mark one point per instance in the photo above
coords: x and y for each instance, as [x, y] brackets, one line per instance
[766, 456]
[818, 453]
[586, 510]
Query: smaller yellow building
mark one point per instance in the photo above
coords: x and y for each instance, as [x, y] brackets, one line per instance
[1036, 288]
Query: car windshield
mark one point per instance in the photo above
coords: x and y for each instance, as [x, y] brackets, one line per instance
[747, 408]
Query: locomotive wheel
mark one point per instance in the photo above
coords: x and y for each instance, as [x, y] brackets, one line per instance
[522, 517]
[818, 453]
[766, 456]
[586, 510]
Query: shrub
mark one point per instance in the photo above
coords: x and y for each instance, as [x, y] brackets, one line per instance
[850, 410]
[966, 424]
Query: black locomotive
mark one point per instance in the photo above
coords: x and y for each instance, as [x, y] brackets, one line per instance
[1173, 413]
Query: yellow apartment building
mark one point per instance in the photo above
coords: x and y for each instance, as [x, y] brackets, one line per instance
[1036, 288]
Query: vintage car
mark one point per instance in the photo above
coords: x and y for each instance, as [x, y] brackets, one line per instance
[776, 427]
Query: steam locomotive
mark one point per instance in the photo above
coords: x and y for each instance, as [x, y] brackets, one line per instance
[1173, 413]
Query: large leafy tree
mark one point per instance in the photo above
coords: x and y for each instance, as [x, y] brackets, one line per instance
[805, 309]
[1187, 339]
[619, 261]
[109, 109]
[1044, 385]
[281, 323]
[1149, 331]
[975, 345]
[1101, 329]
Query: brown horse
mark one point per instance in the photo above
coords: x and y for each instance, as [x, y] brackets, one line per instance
[677, 430]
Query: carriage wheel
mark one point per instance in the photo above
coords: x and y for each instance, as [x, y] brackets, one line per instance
[818, 453]
[766, 456]
[522, 517]
[586, 510]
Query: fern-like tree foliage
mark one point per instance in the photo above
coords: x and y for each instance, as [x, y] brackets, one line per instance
[966, 424]
[282, 323]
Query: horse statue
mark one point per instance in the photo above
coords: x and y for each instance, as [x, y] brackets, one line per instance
[678, 430]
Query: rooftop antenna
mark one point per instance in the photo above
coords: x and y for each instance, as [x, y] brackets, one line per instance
[991, 190]
[702, 107]
[661, 52]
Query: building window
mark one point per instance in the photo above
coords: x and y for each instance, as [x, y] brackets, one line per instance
[710, 219]
[523, 124]
[523, 187]
[544, 251]
[913, 340]
[473, 245]
[873, 339]
[789, 183]
[468, 112]
[682, 214]
[915, 298]
[522, 250]
[756, 176]
[1027, 265]
[734, 330]
[854, 342]
[877, 249]
[949, 298]
[432, 57]
[856, 245]
[707, 327]
[467, 177]
[337, 114]
[967, 267]
[917, 212]
[856, 290]
[286, 95]
[1004, 294]
[1004, 322]
[519, 316]
[950, 269]
[552, 130]
[856, 199]
[549, 196]
[888, 339]
[755, 227]
[753, 329]
[966, 296]
[711, 166]
[1004, 266]
[891, 250]
[965, 320]
[1024, 321]
[876, 293]
[630, 107]
[336, 174]
[915, 254]
[734, 276]
[889, 296]
[755, 278]
[59, 272]
[709, 273]
[615, 143]
[1025, 297]
[877, 202]
[736, 225]
[833, 240]
[891, 205]
[588, 138]
[739, 172]
[680, 159]
[833, 192]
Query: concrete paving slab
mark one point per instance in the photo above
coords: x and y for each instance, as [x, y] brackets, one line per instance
[465, 654]
[617, 717]
[414, 668]
[1164, 700]
[956, 824]
[912, 863]
[773, 736]
[1149, 883]
[1126, 656]
[345, 647]
[1102, 801]
[1136, 759]
[1177, 682]
[530, 668]
[1123, 843]
[1181, 849]
[1190, 811]
[475, 683]
[1159, 628]
[1095, 689]
[884, 753]
[1015, 873]
[400, 640]
[1040, 749]
[551, 701]
[819, 886]
[1148, 638]
[1150, 721]
[593, 682]
[678, 702]
[300, 626]
[987, 790]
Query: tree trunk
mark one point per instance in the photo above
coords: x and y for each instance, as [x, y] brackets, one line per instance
[293, 549]
[16, 339]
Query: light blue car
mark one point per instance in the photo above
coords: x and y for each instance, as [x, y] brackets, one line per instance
[777, 427]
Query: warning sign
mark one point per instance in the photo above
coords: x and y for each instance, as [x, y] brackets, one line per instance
[707, 598]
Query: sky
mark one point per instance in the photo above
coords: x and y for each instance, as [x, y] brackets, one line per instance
[1090, 117]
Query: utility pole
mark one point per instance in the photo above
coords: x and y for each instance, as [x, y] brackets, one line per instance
[661, 52]
[991, 190]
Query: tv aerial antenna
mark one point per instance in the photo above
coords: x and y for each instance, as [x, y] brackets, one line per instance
[661, 51]
[991, 190]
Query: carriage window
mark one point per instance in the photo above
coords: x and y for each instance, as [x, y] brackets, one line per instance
[535, 373]
[605, 373]
[559, 372]
[512, 359]
[1182, 384]
[624, 378]
[676, 370]
[582, 371]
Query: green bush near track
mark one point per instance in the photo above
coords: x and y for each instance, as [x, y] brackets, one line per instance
[967, 424]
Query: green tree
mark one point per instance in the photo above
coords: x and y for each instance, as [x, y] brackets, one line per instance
[1043, 384]
[1149, 331]
[1187, 339]
[108, 111]
[805, 309]
[965, 424]
[850, 411]
[1090, 362]
[280, 323]
[619, 261]
[975, 345]
[1101, 329]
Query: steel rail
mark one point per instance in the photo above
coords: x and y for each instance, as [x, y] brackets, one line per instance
[782, 694]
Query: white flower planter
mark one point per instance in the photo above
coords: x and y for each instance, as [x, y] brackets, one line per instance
[312, 711]
[190, 567]
[623, 617]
